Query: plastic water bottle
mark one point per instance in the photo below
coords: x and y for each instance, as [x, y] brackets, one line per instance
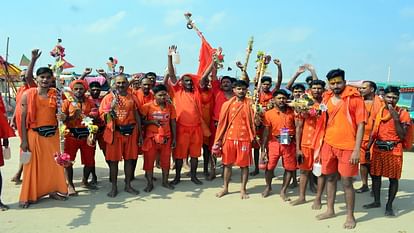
[176, 58]
[284, 138]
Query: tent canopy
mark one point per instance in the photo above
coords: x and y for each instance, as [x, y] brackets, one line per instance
[9, 70]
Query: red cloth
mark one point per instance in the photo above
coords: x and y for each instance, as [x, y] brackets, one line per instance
[79, 81]
[336, 160]
[206, 56]
[72, 145]
[164, 152]
[287, 152]
[237, 153]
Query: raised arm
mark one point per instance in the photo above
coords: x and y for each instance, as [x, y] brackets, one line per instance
[279, 74]
[312, 71]
[104, 74]
[29, 74]
[171, 72]
[292, 80]
[85, 73]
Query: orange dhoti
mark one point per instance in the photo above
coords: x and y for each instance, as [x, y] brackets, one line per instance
[307, 164]
[152, 150]
[72, 145]
[42, 175]
[237, 153]
[386, 163]
[363, 150]
[189, 141]
[123, 146]
[336, 160]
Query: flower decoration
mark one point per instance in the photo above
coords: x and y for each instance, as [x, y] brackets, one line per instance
[63, 159]
[306, 105]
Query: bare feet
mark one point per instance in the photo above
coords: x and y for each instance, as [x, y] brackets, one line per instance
[196, 181]
[350, 223]
[72, 191]
[149, 188]
[24, 205]
[255, 172]
[389, 212]
[167, 185]
[244, 195]
[266, 192]
[176, 181]
[211, 176]
[325, 215]
[3, 207]
[131, 190]
[372, 205]
[16, 180]
[222, 193]
[89, 185]
[112, 193]
[58, 197]
[317, 205]
[298, 201]
[284, 197]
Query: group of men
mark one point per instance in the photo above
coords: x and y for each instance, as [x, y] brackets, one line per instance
[342, 128]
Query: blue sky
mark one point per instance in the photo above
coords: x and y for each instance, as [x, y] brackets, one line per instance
[362, 37]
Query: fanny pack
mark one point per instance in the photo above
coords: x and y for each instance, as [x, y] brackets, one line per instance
[79, 133]
[385, 145]
[125, 130]
[46, 131]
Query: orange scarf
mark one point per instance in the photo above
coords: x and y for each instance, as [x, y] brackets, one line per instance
[225, 121]
[31, 95]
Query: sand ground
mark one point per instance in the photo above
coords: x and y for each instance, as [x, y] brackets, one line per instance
[191, 208]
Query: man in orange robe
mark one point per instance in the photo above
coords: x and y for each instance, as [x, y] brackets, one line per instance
[279, 144]
[373, 104]
[5, 133]
[341, 130]
[392, 133]
[42, 175]
[159, 118]
[235, 133]
[74, 110]
[123, 132]
[190, 125]
[207, 106]
[305, 129]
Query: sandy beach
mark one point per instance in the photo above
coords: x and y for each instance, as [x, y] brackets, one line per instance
[191, 208]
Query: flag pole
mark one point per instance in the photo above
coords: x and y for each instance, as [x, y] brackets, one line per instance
[389, 74]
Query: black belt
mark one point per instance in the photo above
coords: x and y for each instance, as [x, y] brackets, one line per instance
[125, 130]
[79, 133]
[46, 131]
[385, 145]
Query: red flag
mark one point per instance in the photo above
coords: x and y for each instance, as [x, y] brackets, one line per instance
[66, 65]
[206, 56]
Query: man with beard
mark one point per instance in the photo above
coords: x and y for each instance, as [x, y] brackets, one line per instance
[235, 133]
[373, 104]
[278, 137]
[341, 129]
[391, 134]
[305, 129]
[187, 100]
[73, 112]
[123, 132]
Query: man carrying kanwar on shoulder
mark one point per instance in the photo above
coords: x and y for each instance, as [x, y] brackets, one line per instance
[74, 110]
[159, 119]
[338, 140]
[41, 175]
[392, 132]
[373, 104]
[190, 125]
[123, 132]
[235, 133]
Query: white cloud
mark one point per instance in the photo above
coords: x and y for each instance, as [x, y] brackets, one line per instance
[407, 12]
[106, 24]
[135, 31]
[174, 17]
[284, 35]
[215, 20]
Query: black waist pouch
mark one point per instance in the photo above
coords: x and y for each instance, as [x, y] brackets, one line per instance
[46, 131]
[125, 130]
[79, 133]
[385, 145]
